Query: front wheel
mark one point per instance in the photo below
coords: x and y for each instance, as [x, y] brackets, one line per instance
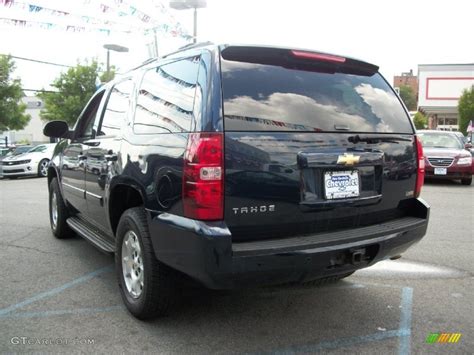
[43, 168]
[146, 285]
[467, 181]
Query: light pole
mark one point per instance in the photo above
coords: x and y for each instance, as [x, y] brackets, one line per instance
[189, 4]
[115, 48]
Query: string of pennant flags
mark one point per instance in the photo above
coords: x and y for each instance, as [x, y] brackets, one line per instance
[111, 16]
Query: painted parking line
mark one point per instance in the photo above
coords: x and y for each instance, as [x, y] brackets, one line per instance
[77, 311]
[5, 311]
[405, 321]
[403, 333]
[339, 343]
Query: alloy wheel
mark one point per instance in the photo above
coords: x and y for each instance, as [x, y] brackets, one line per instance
[54, 210]
[132, 264]
[44, 168]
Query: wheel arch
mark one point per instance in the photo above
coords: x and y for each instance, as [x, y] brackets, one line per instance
[122, 196]
[52, 173]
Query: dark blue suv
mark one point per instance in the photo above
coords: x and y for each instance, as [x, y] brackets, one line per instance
[237, 166]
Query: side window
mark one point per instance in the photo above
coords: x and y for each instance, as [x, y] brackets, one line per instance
[84, 129]
[117, 108]
[166, 98]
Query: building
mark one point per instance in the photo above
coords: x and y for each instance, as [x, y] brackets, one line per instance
[407, 79]
[33, 132]
[440, 86]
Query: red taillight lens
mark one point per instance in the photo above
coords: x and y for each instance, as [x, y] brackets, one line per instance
[319, 56]
[420, 173]
[203, 181]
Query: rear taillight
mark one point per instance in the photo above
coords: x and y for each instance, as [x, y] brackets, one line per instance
[203, 180]
[420, 172]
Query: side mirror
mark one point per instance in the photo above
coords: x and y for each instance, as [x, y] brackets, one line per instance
[468, 145]
[56, 129]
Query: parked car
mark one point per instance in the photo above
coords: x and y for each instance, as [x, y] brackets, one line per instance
[446, 156]
[237, 166]
[33, 161]
[466, 141]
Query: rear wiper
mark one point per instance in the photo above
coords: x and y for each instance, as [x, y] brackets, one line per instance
[376, 139]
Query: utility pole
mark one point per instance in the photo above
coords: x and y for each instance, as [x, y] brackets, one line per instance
[156, 43]
[195, 25]
[189, 4]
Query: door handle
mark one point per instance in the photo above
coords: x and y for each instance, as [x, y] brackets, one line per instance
[111, 157]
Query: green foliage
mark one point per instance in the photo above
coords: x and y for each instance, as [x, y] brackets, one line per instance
[12, 110]
[107, 76]
[420, 120]
[408, 97]
[74, 88]
[466, 109]
[24, 141]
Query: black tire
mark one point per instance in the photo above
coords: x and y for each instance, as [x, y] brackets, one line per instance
[466, 181]
[159, 281]
[60, 229]
[42, 172]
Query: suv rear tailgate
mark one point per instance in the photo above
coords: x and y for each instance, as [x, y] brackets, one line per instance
[311, 147]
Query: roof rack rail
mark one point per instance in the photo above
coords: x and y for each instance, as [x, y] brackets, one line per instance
[148, 61]
[190, 46]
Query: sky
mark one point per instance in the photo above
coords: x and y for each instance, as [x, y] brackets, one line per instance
[396, 35]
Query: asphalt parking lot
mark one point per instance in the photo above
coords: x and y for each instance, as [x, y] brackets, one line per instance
[63, 294]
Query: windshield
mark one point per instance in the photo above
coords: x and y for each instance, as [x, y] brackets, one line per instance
[40, 148]
[19, 150]
[439, 140]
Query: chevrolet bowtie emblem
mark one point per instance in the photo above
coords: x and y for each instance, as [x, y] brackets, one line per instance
[348, 159]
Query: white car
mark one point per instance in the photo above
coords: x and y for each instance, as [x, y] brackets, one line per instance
[33, 162]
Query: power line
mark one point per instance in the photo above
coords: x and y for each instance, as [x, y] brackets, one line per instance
[36, 90]
[49, 63]
[41, 61]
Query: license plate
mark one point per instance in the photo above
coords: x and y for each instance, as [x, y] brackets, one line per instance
[341, 184]
[440, 171]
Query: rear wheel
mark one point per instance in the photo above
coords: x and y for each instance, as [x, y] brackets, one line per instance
[58, 212]
[147, 286]
[466, 181]
[43, 168]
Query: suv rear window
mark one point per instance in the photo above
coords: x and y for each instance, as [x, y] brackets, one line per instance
[263, 97]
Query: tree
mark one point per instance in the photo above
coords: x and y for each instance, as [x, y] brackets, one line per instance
[466, 108]
[74, 88]
[107, 76]
[408, 97]
[12, 110]
[420, 120]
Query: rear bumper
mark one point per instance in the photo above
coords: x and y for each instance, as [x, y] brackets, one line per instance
[205, 251]
[453, 172]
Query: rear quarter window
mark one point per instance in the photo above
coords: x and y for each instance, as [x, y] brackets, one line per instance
[166, 98]
[262, 97]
